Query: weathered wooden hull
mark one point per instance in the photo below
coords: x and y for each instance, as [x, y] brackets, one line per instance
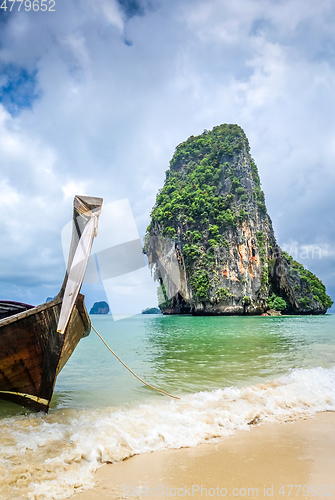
[32, 352]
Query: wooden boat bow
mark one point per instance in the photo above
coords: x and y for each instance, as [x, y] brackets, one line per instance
[34, 345]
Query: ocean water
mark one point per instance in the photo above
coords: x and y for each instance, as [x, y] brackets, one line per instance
[228, 372]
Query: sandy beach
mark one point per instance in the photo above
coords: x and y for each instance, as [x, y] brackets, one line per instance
[276, 460]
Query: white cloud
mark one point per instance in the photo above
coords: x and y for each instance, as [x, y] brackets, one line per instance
[111, 11]
[72, 188]
[9, 198]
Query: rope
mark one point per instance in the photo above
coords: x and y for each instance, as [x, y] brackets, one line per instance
[131, 371]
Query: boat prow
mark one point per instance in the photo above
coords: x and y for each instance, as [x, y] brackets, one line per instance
[36, 342]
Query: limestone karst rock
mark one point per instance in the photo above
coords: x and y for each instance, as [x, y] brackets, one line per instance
[211, 242]
[100, 308]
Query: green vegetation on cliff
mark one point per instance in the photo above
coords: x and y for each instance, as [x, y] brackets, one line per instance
[190, 196]
[276, 303]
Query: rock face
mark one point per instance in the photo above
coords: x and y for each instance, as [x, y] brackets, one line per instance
[100, 308]
[211, 242]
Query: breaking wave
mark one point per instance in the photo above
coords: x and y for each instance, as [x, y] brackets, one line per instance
[51, 456]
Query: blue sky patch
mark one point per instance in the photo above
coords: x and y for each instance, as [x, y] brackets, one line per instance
[17, 88]
[132, 8]
[261, 26]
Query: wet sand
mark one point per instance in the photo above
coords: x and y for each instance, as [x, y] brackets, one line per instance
[254, 464]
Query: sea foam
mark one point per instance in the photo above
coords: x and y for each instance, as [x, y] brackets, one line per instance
[51, 456]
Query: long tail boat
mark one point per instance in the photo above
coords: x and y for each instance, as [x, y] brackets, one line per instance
[36, 342]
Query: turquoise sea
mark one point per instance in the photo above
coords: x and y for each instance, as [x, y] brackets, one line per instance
[186, 354]
[227, 371]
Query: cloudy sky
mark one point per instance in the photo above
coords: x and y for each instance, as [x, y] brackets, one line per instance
[95, 96]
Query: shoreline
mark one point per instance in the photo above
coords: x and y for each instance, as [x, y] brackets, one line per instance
[251, 464]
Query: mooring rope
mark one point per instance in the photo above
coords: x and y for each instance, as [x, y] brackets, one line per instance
[131, 371]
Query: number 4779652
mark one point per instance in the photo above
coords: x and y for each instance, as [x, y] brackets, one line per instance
[35, 5]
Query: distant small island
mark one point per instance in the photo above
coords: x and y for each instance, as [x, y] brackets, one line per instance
[100, 308]
[151, 310]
